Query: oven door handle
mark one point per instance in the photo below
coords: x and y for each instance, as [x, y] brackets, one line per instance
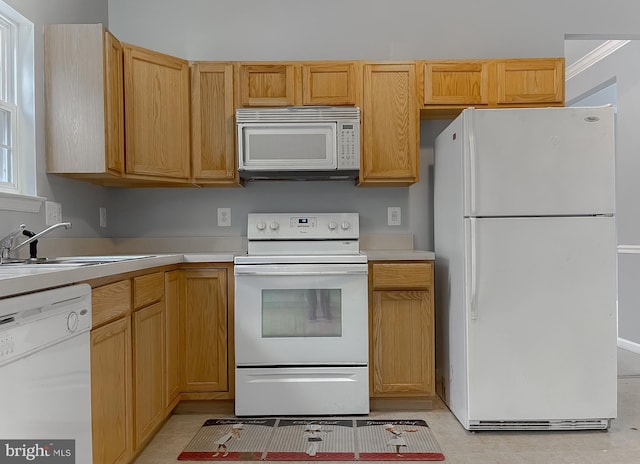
[299, 273]
[302, 270]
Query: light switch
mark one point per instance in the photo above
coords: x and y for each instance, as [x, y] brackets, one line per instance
[394, 214]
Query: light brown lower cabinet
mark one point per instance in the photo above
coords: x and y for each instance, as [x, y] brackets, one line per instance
[111, 392]
[402, 329]
[158, 338]
[148, 371]
[204, 318]
[173, 297]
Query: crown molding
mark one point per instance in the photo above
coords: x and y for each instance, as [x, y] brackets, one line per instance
[595, 55]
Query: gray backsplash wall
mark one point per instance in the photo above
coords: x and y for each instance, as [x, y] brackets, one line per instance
[192, 212]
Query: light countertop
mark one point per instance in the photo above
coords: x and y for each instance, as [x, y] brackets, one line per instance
[399, 255]
[16, 280]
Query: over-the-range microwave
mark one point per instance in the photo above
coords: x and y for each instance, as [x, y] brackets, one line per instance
[298, 142]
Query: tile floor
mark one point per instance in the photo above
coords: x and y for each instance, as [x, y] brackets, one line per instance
[620, 445]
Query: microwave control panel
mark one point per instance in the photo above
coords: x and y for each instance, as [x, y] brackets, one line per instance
[348, 145]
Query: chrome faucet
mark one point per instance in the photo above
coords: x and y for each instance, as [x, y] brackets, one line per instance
[7, 242]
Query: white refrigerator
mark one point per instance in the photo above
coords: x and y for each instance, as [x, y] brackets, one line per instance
[525, 245]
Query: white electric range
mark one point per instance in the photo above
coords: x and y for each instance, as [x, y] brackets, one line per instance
[301, 317]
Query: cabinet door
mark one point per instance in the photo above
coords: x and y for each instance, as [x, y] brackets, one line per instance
[83, 101]
[266, 85]
[390, 118]
[114, 103]
[530, 81]
[156, 114]
[329, 84]
[402, 343]
[456, 83]
[149, 370]
[173, 297]
[213, 125]
[205, 330]
[111, 406]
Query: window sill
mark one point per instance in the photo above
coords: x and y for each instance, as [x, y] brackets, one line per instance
[19, 202]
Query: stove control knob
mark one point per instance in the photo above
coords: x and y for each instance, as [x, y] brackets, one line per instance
[332, 225]
[260, 225]
[274, 225]
[345, 225]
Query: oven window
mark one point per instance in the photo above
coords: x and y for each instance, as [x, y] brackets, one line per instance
[302, 312]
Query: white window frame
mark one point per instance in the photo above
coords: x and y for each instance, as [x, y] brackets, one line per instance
[20, 193]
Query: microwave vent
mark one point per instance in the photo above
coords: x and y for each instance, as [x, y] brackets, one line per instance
[298, 114]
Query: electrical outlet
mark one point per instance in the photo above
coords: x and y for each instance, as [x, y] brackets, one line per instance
[53, 212]
[224, 217]
[103, 217]
[394, 216]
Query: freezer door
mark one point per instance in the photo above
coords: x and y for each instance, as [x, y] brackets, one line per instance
[538, 162]
[541, 318]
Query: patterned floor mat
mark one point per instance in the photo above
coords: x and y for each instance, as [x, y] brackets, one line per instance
[313, 439]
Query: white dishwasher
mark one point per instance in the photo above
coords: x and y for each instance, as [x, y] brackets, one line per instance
[45, 371]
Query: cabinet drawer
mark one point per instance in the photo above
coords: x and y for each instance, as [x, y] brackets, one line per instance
[111, 302]
[418, 275]
[148, 289]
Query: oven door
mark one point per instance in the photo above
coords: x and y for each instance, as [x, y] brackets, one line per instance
[301, 314]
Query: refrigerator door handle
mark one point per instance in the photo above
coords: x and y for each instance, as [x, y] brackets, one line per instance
[472, 164]
[473, 308]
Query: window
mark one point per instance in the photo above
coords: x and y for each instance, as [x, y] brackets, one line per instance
[8, 107]
[17, 113]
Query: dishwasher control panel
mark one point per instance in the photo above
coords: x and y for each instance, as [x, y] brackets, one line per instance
[38, 320]
[7, 345]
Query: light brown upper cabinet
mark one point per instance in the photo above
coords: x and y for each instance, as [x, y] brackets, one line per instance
[329, 83]
[298, 83]
[452, 85]
[87, 71]
[390, 125]
[84, 113]
[530, 81]
[270, 84]
[213, 125]
[156, 115]
[456, 83]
